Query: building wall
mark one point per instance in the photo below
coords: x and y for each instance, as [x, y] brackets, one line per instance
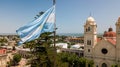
[99, 61]
[104, 44]
[108, 58]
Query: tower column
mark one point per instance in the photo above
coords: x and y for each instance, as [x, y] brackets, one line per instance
[90, 37]
[118, 41]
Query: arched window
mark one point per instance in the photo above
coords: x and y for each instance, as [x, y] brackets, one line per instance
[88, 50]
[104, 65]
[88, 28]
[88, 42]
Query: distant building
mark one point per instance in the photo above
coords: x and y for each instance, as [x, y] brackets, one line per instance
[78, 52]
[24, 52]
[75, 39]
[3, 57]
[77, 49]
[62, 45]
[10, 40]
[104, 51]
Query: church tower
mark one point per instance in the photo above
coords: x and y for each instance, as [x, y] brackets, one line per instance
[118, 40]
[90, 37]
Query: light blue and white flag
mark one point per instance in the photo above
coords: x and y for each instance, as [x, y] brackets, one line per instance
[32, 30]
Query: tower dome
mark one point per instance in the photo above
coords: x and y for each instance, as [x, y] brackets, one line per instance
[90, 19]
[110, 33]
[110, 29]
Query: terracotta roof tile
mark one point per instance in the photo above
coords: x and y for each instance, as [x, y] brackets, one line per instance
[112, 41]
[109, 34]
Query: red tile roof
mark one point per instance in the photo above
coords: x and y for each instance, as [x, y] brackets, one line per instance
[109, 34]
[2, 51]
[112, 41]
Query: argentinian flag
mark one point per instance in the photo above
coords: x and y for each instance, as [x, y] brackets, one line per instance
[32, 30]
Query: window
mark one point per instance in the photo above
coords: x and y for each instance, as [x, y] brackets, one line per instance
[104, 65]
[88, 28]
[104, 51]
[88, 50]
[88, 42]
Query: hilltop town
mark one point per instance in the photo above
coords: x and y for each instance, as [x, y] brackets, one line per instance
[102, 50]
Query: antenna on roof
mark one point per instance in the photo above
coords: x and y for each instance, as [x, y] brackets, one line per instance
[90, 14]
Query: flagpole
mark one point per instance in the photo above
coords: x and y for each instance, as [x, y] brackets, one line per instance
[54, 3]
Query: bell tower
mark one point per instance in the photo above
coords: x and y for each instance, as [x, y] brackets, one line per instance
[118, 40]
[90, 37]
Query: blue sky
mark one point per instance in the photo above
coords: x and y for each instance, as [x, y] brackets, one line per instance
[70, 14]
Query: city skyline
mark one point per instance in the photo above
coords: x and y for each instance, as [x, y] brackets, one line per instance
[71, 15]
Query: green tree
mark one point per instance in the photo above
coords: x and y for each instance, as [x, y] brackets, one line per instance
[2, 41]
[90, 63]
[69, 45]
[72, 60]
[114, 65]
[82, 62]
[42, 52]
[16, 59]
